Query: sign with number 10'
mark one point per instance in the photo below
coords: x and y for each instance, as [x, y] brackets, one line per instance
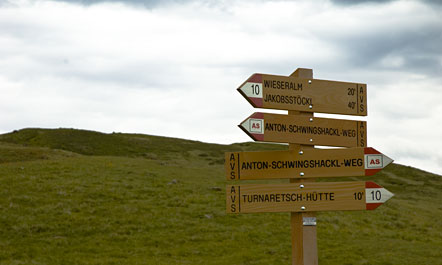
[300, 197]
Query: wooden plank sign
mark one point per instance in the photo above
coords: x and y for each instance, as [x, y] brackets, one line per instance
[305, 197]
[306, 163]
[305, 130]
[302, 94]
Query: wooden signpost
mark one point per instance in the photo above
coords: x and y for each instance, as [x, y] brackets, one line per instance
[305, 94]
[305, 130]
[307, 163]
[302, 95]
[302, 197]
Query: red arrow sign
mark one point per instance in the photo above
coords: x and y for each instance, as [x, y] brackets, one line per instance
[375, 195]
[374, 161]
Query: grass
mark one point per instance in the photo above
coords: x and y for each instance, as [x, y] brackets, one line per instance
[80, 197]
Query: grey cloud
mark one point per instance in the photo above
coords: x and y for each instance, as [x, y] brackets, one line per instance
[357, 2]
[419, 49]
[144, 3]
[155, 3]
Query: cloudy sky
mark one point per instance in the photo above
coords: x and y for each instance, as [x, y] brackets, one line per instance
[172, 67]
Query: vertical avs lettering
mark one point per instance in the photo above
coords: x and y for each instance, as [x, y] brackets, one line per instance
[231, 165]
[362, 99]
[362, 134]
[233, 199]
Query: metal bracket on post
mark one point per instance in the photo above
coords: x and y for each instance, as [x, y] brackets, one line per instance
[309, 221]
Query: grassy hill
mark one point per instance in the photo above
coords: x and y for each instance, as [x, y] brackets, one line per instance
[80, 197]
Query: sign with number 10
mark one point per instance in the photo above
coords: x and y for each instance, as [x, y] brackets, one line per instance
[303, 94]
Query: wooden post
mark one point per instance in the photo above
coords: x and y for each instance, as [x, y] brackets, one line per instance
[304, 245]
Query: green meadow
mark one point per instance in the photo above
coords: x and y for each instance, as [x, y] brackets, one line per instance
[80, 197]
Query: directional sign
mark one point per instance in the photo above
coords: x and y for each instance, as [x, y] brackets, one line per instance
[305, 197]
[310, 95]
[306, 163]
[305, 130]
